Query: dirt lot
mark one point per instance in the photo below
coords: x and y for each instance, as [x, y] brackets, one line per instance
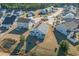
[47, 47]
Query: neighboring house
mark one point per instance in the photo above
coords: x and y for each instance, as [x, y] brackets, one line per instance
[52, 7]
[67, 28]
[49, 9]
[77, 14]
[3, 11]
[43, 11]
[69, 16]
[69, 9]
[30, 13]
[25, 23]
[10, 12]
[40, 31]
[72, 9]
[18, 12]
[8, 21]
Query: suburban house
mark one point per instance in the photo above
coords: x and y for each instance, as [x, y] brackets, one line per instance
[77, 14]
[3, 11]
[18, 12]
[49, 9]
[10, 12]
[23, 22]
[8, 21]
[68, 27]
[40, 31]
[26, 23]
[6, 24]
[68, 16]
[72, 9]
[43, 11]
[30, 13]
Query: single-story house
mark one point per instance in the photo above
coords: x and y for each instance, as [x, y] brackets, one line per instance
[40, 31]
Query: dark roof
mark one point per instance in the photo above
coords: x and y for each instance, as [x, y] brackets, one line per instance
[19, 30]
[71, 24]
[3, 29]
[23, 20]
[43, 11]
[9, 10]
[9, 20]
[1, 15]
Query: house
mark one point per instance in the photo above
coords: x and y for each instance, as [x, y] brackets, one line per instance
[77, 14]
[69, 16]
[49, 9]
[40, 31]
[10, 12]
[68, 29]
[43, 11]
[3, 12]
[52, 7]
[23, 22]
[67, 26]
[18, 12]
[30, 13]
[8, 21]
[72, 9]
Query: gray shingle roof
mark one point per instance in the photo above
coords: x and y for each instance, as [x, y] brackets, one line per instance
[71, 25]
[43, 28]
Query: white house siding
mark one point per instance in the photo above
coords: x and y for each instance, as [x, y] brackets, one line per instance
[24, 25]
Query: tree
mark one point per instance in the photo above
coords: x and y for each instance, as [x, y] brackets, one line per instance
[22, 38]
[63, 49]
